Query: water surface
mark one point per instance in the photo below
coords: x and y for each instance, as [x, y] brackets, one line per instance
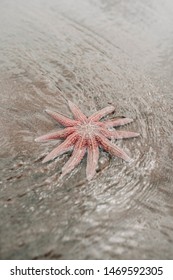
[94, 53]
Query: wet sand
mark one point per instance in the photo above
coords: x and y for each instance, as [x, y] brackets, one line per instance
[94, 53]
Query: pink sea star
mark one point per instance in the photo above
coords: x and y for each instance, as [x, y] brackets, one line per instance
[86, 134]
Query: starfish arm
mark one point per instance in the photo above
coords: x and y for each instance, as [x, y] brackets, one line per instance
[101, 113]
[77, 113]
[62, 148]
[117, 122]
[118, 134]
[75, 159]
[56, 135]
[65, 121]
[92, 158]
[111, 148]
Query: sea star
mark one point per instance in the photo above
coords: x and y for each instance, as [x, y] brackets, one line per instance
[86, 134]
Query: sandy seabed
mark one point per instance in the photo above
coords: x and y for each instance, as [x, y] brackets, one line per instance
[94, 53]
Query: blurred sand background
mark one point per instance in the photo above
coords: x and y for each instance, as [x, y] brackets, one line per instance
[95, 53]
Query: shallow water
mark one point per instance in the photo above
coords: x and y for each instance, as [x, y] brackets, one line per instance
[94, 53]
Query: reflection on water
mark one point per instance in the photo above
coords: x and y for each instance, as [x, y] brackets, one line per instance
[94, 53]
